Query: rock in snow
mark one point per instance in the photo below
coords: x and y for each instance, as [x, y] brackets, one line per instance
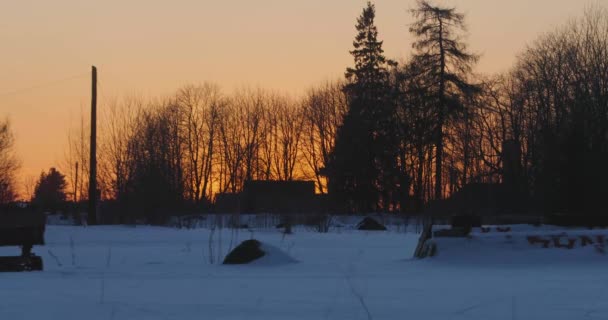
[250, 251]
[370, 224]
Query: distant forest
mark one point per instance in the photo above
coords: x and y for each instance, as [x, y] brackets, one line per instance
[388, 137]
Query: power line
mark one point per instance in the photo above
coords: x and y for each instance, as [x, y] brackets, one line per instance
[43, 85]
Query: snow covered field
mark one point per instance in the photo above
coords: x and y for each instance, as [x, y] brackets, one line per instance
[115, 272]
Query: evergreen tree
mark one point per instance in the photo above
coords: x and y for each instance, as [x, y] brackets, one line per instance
[49, 193]
[361, 169]
[446, 65]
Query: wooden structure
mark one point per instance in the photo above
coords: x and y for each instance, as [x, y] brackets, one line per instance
[279, 197]
[23, 229]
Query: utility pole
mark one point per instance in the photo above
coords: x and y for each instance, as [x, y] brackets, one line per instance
[92, 213]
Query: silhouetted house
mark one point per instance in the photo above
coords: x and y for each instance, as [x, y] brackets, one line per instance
[484, 199]
[285, 197]
[227, 203]
[480, 199]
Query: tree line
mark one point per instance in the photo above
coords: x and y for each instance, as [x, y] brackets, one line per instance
[389, 137]
[177, 153]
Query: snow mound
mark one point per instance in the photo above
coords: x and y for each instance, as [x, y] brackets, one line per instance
[273, 256]
[370, 224]
[519, 245]
[246, 252]
[255, 252]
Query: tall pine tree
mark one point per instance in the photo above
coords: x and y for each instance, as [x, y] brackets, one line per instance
[446, 66]
[362, 170]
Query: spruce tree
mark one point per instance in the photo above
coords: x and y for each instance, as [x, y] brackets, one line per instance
[49, 193]
[361, 170]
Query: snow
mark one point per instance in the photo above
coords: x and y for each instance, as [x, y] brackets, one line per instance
[119, 272]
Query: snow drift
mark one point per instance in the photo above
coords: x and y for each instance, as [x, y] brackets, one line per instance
[519, 245]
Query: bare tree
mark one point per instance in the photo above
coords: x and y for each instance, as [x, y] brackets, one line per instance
[285, 136]
[117, 153]
[9, 164]
[323, 111]
[557, 109]
[29, 185]
[200, 106]
[76, 162]
[241, 124]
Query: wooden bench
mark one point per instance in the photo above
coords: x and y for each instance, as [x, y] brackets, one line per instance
[23, 229]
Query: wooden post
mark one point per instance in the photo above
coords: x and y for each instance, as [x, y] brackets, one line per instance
[92, 212]
[75, 198]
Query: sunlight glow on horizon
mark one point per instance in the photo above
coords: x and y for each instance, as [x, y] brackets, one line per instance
[151, 48]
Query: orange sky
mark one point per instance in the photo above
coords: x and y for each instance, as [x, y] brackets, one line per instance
[150, 48]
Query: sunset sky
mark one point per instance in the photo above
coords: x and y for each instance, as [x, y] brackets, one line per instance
[151, 48]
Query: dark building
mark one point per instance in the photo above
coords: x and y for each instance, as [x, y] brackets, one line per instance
[267, 196]
[227, 203]
[486, 199]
